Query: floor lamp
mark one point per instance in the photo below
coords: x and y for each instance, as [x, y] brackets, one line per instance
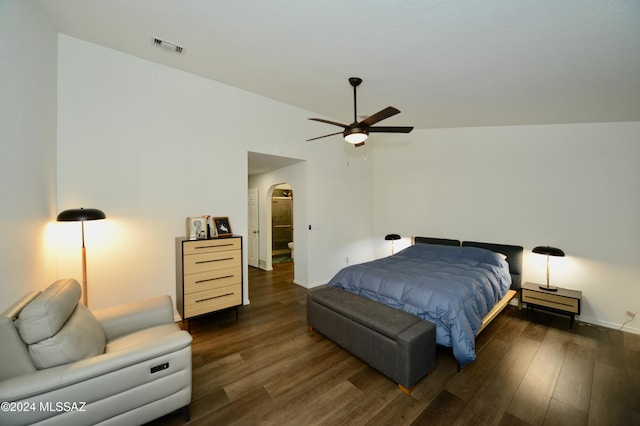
[80, 215]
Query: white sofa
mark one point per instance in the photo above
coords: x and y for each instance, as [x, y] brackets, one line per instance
[61, 364]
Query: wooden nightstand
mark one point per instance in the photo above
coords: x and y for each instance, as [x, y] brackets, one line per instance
[563, 301]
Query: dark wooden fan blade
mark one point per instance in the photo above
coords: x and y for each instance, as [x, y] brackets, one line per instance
[325, 136]
[390, 129]
[335, 123]
[379, 116]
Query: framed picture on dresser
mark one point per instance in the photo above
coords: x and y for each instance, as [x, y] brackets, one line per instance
[196, 228]
[222, 226]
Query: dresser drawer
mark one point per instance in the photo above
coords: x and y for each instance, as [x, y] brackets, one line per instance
[209, 246]
[202, 262]
[213, 279]
[204, 302]
[562, 303]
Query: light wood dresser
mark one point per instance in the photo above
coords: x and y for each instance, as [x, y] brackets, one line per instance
[208, 275]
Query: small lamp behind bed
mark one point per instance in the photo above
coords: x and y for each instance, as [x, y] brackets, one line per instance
[548, 251]
[392, 238]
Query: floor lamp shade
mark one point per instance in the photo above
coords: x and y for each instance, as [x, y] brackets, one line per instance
[548, 251]
[81, 215]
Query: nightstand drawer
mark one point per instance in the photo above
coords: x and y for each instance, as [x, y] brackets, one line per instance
[550, 300]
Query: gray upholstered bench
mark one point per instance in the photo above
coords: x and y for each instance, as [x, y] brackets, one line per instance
[397, 344]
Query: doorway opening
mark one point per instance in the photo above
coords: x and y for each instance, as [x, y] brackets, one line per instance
[282, 246]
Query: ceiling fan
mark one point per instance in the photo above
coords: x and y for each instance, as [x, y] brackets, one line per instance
[357, 132]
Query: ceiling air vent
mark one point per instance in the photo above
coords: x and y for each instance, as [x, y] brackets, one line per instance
[167, 46]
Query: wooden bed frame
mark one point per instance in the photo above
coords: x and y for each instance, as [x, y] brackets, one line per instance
[514, 259]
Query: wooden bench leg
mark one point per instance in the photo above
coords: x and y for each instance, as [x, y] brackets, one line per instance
[405, 390]
[408, 391]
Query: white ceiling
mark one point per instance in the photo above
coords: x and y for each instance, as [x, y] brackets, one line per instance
[443, 63]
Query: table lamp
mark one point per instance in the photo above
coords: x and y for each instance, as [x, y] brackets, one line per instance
[392, 238]
[548, 251]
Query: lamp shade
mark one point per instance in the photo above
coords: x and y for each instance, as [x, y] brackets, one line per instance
[81, 214]
[391, 237]
[548, 251]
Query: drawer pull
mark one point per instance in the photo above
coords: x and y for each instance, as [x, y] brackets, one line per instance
[214, 246]
[213, 260]
[214, 279]
[214, 297]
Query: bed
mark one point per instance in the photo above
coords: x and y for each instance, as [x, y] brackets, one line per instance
[459, 286]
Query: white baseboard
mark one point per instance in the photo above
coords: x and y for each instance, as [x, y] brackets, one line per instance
[627, 327]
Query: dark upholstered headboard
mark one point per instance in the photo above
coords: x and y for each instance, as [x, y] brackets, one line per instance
[514, 254]
[439, 241]
[514, 258]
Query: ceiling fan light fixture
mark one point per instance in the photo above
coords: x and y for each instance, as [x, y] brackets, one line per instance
[358, 131]
[355, 135]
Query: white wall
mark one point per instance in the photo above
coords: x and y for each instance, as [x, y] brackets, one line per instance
[28, 47]
[575, 187]
[151, 145]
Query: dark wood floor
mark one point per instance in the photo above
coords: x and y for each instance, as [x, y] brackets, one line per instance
[266, 368]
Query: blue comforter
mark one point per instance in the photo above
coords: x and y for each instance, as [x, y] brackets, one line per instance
[452, 287]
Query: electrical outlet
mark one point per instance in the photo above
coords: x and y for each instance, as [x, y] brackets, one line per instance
[631, 314]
